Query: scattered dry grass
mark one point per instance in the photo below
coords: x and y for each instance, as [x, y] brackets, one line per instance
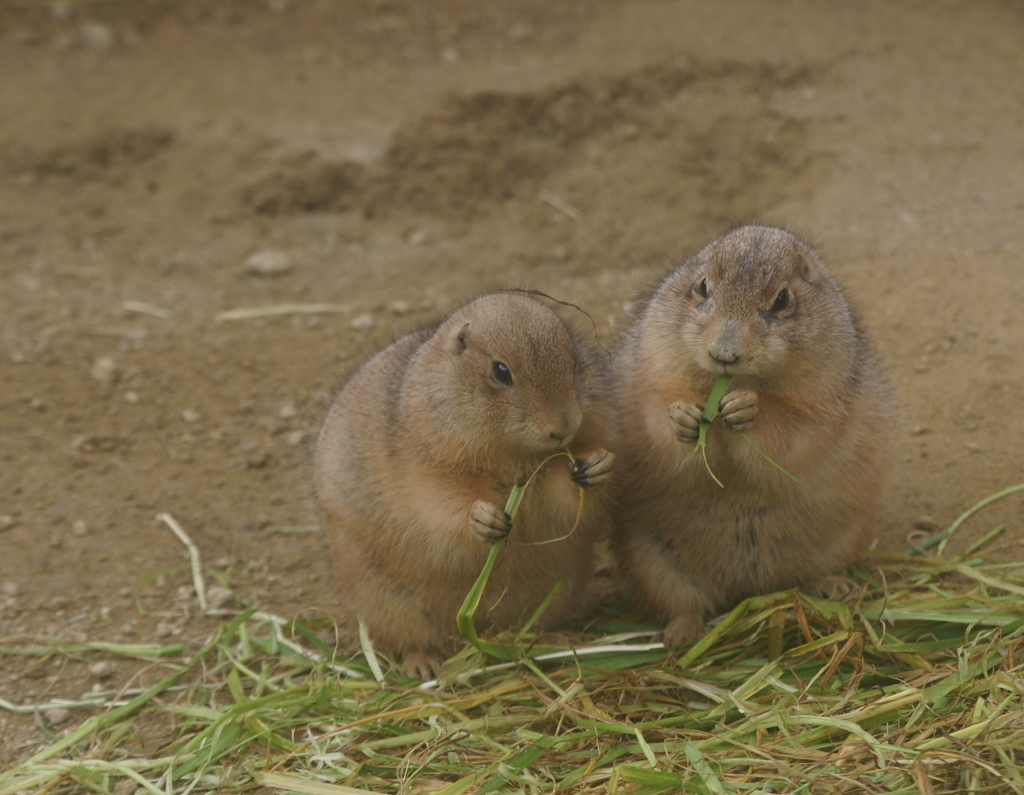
[915, 688]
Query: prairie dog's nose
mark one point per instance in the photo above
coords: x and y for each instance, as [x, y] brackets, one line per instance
[726, 347]
[566, 425]
[723, 354]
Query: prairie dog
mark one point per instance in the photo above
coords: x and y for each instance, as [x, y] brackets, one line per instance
[807, 389]
[418, 455]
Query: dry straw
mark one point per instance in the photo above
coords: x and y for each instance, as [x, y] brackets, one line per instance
[914, 688]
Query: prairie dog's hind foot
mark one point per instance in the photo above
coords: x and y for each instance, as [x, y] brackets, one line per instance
[594, 469]
[835, 587]
[686, 419]
[683, 628]
[422, 665]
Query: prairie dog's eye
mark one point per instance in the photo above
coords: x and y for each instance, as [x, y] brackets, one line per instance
[502, 373]
[782, 300]
[702, 288]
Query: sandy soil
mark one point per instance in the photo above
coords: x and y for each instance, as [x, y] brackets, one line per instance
[393, 157]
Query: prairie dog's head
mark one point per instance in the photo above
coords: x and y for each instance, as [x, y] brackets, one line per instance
[502, 373]
[756, 302]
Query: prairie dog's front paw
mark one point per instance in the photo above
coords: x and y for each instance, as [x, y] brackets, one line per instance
[738, 409]
[488, 522]
[594, 469]
[686, 419]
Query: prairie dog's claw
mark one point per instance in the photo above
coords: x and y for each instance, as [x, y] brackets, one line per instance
[738, 409]
[686, 419]
[488, 522]
[594, 469]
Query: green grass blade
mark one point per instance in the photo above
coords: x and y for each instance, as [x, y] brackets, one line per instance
[718, 391]
[464, 618]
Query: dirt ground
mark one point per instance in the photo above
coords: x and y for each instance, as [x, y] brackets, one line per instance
[164, 162]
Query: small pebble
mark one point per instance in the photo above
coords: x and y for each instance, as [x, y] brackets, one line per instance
[926, 523]
[6, 522]
[418, 237]
[363, 322]
[101, 670]
[400, 307]
[96, 35]
[127, 786]
[217, 597]
[55, 717]
[295, 438]
[258, 460]
[9, 589]
[104, 370]
[191, 415]
[131, 397]
[79, 528]
[269, 263]
[287, 411]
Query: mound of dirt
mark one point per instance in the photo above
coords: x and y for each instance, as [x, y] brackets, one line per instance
[478, 151]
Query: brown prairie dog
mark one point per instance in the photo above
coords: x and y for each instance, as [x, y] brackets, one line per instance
[420, 451]
[807, 389]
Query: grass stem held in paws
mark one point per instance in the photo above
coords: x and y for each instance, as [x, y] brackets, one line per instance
[469, 605]
[710, 412]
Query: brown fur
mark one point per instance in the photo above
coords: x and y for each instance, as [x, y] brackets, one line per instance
[420, 451]
[806, 388]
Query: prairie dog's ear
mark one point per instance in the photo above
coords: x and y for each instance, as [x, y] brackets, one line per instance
[808, 266]
[457, 339]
